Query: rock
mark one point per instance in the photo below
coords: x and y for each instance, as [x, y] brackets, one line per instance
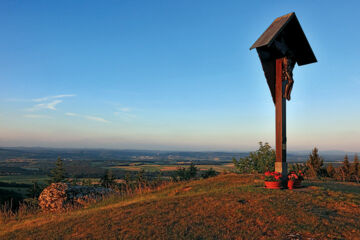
[62, 196]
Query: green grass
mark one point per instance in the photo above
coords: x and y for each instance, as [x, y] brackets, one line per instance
[228, 206]
[22, 191]
[172, 167]
[28, 179]
[20, 179]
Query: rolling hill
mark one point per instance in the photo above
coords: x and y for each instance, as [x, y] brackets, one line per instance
[229, 206]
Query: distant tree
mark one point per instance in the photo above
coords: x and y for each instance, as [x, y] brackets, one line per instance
[330, 170]
[209, 173]
[108, 180]
[260, 161]
[355, 169]
[58, 173]
[314, 164]
[345, 169]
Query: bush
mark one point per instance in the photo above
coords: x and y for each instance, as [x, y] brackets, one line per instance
[209, 173]
[298, 167]
[183, 174]
[260, 161]
[355, 170]
[330, 170]
[108, 180]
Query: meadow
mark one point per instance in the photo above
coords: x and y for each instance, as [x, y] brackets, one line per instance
[229, 206]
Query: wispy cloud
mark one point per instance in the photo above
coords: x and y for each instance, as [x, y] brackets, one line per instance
[36, 116]
[125, 113]
[97, 119]
[71, 114]
[41, 106]
[48, 103]
[92, 118]
[43, 99]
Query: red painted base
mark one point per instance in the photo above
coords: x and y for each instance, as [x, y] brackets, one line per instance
[273, 185]
[294, 184]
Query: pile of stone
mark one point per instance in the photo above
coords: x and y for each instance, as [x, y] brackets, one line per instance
[62, 196]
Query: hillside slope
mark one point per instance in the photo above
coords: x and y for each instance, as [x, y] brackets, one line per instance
[225, 207]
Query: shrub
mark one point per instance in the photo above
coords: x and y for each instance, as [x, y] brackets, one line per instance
[298, 167]
[355, 170]
[330, 170]
[260, 161]
[108, 180]
[314, 164]
[209, 173]
[345, 169]
[184, 174]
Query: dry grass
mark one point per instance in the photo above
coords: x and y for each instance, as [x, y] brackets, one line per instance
[225, 207]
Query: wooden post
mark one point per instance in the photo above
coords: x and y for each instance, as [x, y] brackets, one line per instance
[280, 108]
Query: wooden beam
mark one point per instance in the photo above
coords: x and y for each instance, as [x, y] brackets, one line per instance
[280, 119]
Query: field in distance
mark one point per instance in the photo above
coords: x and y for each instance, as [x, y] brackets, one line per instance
[138, 166]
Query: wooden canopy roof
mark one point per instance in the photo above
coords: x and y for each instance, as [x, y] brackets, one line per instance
[285, 37]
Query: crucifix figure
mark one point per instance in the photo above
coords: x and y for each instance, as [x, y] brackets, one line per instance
[281, 46]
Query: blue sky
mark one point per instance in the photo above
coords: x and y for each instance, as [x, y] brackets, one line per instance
[172, 75]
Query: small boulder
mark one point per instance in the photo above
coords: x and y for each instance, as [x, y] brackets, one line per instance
[62, 196]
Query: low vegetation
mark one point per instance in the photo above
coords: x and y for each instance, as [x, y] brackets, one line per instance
[260, 161]
[263, 159]
[228, 206]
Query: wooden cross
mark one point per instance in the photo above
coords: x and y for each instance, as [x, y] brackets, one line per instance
[281, 46]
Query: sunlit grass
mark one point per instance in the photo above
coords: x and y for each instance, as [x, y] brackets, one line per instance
[225, 207]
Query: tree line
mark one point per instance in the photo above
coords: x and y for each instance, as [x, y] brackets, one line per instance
[263, 160]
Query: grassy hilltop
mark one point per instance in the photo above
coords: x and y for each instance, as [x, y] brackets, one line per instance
[228, 206]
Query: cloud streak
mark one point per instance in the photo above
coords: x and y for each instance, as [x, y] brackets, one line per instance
[48, 103]
[44, 99]
[71, 114]
[42, 106]
[97, 119]
[92, 118]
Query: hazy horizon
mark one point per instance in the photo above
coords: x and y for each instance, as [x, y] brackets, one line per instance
[179, 149]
